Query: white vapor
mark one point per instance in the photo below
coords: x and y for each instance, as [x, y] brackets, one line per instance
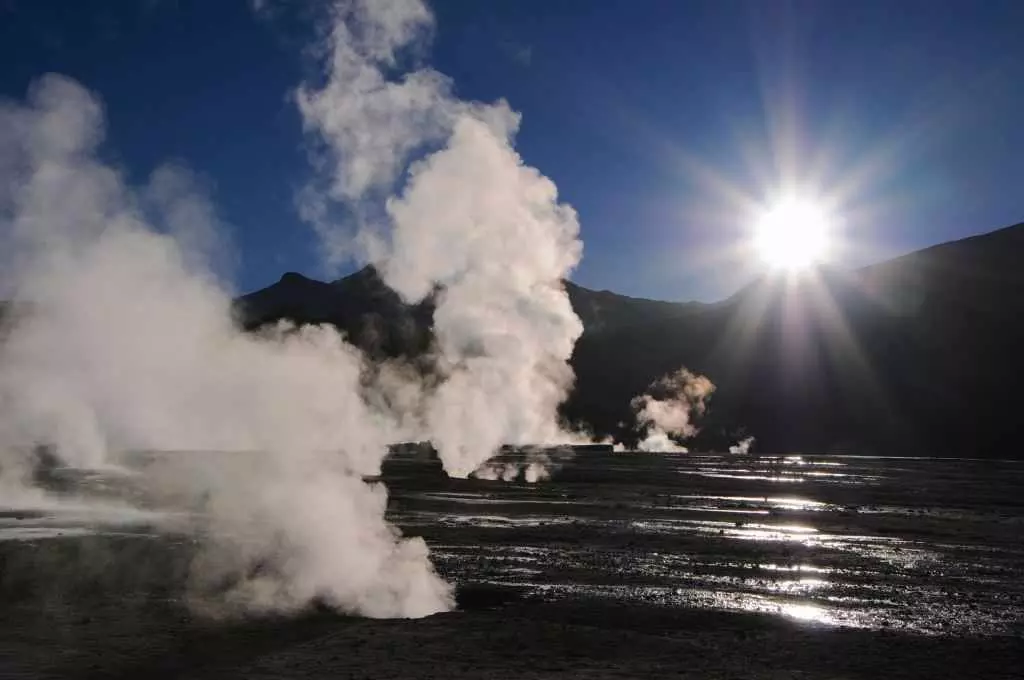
[531, 464]
[742, 447]
[124, 341]
[659, 441]
[668, 409]
[445, 206]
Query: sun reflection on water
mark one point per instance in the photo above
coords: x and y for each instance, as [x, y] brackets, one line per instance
[794, 567]
[806, 612]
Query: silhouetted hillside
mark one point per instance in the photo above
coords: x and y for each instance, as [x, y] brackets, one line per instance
[606, 311]
[371, 314]
[919, 355]
[914, 356]
[362, 304]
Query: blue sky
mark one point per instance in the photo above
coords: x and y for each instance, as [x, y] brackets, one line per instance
[658, 120]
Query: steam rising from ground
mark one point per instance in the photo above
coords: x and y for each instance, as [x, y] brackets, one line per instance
[742, 447]
[467, 221]
[124, 340]
[669, 408]
[531, 464]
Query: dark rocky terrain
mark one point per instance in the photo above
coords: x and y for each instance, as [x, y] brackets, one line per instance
[621, 566]
[919, 354]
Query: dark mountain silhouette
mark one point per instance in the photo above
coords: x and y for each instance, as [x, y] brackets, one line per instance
[372, 315]
[919, 355]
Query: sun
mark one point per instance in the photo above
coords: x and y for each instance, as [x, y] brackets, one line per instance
[793, 234]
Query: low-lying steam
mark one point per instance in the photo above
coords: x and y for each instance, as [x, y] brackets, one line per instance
[124, 341]
[742, 447]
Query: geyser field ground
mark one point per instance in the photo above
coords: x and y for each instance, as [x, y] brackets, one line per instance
[623, 565]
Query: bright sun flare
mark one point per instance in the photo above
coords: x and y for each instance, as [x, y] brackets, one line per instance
[792, 235]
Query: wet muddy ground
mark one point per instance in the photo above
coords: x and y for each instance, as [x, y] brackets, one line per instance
[621, 565]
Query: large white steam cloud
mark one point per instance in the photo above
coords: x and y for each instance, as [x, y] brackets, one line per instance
[122, 339]
[467, 218]
[669, 408]
[120, 335]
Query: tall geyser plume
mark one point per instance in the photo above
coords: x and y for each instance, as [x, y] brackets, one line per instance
[121, 339]
[442, 205]
[668, 409]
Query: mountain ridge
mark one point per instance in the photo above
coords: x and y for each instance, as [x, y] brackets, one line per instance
[917, 355]
[911, 355]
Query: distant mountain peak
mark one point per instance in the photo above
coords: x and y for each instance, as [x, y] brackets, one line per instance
[293, 278]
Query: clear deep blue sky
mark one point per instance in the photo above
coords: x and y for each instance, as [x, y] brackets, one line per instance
[651, 116]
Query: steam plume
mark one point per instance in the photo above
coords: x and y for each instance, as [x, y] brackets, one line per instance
[467, 219]
[124, 341]
[668, 409]
[742, 447]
